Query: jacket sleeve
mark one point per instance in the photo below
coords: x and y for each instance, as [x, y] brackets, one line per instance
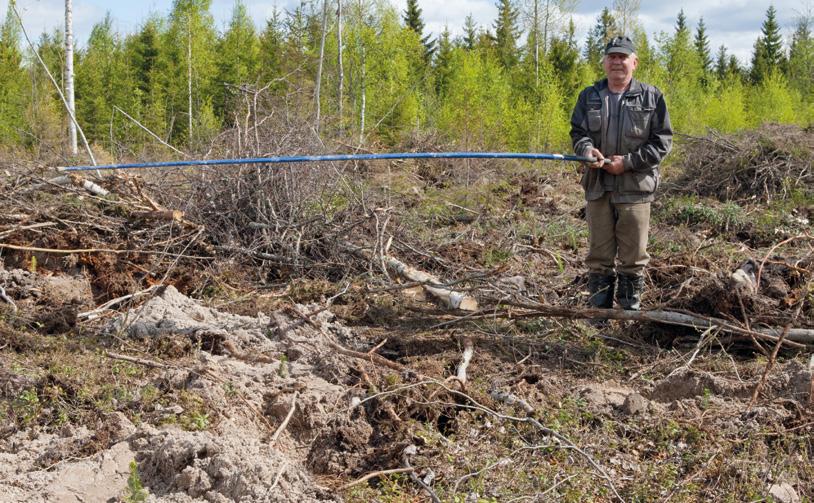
[580, 138]
[658, 144]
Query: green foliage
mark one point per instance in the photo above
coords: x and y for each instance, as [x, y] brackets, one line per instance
[600, 34]
[773, 101]
[482, 90]
[726, 111]
[12, 78]
[801, 59]
[135, 489]
[238, 60]
[506, 33]
[768, 56]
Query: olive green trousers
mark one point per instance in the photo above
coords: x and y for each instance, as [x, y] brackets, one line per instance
[617, 232]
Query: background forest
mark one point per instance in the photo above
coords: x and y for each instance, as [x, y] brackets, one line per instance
[510, 85]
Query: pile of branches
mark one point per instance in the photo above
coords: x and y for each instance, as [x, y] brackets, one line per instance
[767, 163]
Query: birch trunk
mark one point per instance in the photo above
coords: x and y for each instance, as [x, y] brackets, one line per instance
[321, 60]
[69, 89]
[339, 58]
[364, 101]
[189, 77]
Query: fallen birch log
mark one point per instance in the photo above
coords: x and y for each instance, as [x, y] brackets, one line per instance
[700, 323]
[77, 181]
[433, 286]
[450, 298]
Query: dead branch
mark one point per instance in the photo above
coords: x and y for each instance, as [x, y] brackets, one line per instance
[285, 421]
[93, 314]
[7, 299]
[469, 350]
[369, 357]
[412, 450]
[796, 337]
[140, 361]
[372, 475]
[773, 358]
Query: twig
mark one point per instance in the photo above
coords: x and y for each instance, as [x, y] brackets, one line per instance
[773, 357]
[469, 350]
[374, 474]
[97, 250]
[93, 314]
[769, 253]
[140, 361]
[411, 450]
[7, 299]
[285, 421]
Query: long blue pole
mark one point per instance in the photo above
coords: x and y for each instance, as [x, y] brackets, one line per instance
[337, 157]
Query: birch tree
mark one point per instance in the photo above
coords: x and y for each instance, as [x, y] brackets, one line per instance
[69, 90]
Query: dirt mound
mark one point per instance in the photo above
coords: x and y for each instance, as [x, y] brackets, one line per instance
[767, 163]
[182, 466]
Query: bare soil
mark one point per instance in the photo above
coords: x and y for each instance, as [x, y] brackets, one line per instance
[266, 362]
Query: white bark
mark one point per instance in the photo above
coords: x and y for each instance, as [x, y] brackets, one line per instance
[321, 61]
[339, 58]
[54, 82]
[69, 89]
[364, 101]
[189, 77]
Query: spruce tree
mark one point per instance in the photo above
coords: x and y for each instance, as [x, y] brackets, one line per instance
[443, 62]
[506, 33]
[470, 36]
[600, 34]
[768, 54]
[721, 63]
[701, 43]
[12, 80]
[413, 21]
[271, 46]
[801, 58]
[238, 58]
[564, 57]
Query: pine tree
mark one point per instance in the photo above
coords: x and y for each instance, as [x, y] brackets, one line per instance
[470, 38]
[506, 33]
[768, 55]
[701, 43]
[413, 21]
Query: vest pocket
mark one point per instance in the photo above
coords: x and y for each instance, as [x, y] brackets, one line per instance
[594, 120]
[634, 181]
[638, 124]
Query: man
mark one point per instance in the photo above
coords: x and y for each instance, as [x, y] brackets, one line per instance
[624, 125]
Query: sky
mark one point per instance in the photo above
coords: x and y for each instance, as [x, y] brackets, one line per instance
[733, 23]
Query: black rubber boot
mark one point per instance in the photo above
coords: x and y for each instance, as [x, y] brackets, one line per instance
[629, 293]
[601, 287]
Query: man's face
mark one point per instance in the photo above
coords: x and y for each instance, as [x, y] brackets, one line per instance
[619, 67]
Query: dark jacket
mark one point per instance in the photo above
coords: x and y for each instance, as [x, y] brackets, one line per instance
[645, 138]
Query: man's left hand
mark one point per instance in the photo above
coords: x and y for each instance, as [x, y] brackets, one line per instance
[616, 166]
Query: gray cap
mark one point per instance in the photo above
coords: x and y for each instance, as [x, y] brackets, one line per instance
[622, 44]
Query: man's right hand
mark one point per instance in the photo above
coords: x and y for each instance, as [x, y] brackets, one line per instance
[600, 159]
